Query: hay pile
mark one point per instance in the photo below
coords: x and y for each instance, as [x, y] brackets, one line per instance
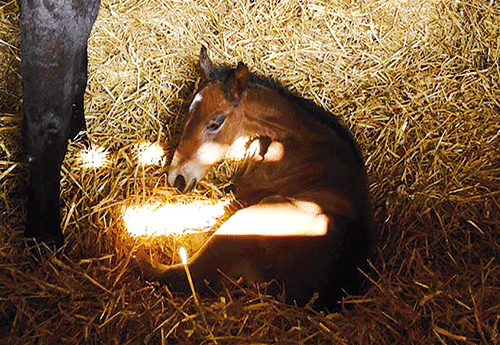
[417, 81]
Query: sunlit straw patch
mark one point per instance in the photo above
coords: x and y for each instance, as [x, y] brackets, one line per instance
[241, 149]
[238, 150]
[172, 218]
[150, 153]
[95, 157]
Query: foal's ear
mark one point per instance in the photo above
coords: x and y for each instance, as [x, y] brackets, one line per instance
[206, 64]
[240, 81]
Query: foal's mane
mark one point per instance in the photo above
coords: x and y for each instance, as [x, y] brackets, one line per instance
[225, 74]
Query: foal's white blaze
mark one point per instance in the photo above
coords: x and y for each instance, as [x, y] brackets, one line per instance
[195, 101]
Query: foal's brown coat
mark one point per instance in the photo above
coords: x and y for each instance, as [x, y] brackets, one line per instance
[308, 221]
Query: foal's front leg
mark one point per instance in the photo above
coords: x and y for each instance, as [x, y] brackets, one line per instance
[280, 238]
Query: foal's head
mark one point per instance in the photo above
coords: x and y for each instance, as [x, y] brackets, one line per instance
[213, 123]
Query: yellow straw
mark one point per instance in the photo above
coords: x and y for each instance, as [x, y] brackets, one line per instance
[183, 255]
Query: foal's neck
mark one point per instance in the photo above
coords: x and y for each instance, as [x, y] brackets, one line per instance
[267, 113]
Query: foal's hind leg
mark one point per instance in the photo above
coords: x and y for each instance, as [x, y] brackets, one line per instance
[290, 240]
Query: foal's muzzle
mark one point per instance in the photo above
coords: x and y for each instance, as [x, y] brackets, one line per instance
[181, 184]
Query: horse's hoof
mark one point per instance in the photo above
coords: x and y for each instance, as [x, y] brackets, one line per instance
[53, 241]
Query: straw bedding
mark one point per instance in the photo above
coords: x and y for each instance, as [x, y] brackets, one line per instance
[417, 82]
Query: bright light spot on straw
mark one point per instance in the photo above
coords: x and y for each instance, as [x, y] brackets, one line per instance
[238, 150]
[183, 255]
[96, 157]
[150, 154]
[177, 218]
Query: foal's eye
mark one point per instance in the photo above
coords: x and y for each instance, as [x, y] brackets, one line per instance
[215, 124]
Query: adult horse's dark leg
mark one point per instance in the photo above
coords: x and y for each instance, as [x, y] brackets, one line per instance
[78, 118]
[54, 37]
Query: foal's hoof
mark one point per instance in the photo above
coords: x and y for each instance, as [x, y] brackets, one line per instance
[148, 270]
[173, 276]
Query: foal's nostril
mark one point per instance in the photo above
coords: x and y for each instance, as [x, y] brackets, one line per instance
[180, 183]
[191, 186]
